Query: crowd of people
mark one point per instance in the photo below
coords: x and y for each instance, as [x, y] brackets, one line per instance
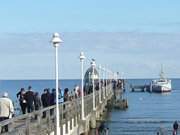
[30, 100]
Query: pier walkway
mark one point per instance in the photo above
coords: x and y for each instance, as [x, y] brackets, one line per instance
[42, 122]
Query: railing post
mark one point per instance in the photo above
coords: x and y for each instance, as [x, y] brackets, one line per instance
[48, 122]
[28, 124]
[10, 126]
[39, 117]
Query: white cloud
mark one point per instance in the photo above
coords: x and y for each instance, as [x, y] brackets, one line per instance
[135, 54]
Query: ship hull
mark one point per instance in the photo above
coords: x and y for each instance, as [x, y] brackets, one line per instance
[160, 89]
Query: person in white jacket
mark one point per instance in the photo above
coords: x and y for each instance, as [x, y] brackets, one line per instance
[6, 109]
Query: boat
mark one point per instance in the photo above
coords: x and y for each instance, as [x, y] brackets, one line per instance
[161, 85]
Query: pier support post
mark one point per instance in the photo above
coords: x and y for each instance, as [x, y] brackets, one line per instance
[93, 120]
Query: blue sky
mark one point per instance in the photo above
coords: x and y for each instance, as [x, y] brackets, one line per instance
[93, 15]
[133, 37]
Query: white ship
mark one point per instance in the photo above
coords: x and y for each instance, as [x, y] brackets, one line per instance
[161, 85]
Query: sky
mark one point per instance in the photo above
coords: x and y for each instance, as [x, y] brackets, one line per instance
[132, 37]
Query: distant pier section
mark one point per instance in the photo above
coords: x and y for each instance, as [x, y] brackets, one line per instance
[140, 88]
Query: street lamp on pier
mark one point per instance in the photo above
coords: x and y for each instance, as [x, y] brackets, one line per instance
[93, 64]
[105, 71]
[103, 74]
[109, 80]
[82, 57]
[56, 41]
[100, 84]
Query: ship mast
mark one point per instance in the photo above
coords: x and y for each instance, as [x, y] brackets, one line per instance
[162, 72]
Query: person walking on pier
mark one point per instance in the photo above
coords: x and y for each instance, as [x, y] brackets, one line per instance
[53, 97]
[22, 101]
[45, 98]
[76, 88]
[66, 94]
[29, 97]
[37, 101]
[6, 110]
[44, 101]
[175, 127]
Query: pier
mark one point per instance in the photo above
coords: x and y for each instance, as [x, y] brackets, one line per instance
[42, 122]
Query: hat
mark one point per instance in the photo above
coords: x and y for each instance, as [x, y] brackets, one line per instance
[5, 94]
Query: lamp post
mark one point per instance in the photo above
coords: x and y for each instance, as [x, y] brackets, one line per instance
[103, 69]
[100, 84]
[106, 72]
[56, 41]
[82, 57]
[93, 64]
[109, 82]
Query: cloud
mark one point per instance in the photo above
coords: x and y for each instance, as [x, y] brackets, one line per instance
[136, 54]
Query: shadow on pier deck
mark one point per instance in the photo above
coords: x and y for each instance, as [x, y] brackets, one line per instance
[42, 122]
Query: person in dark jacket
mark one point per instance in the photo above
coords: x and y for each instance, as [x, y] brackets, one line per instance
[66, 94]
[60, 93]
[22, 101]
[53, 97]
[48, 96]
[44, 98]
[29, 97]
[52, 100]
[175, 127]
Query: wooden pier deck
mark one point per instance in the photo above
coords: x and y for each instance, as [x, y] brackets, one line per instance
[42, 122]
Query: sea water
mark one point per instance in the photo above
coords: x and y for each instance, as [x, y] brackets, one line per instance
[147, 112]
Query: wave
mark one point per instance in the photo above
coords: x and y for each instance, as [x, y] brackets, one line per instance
[142, 120]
